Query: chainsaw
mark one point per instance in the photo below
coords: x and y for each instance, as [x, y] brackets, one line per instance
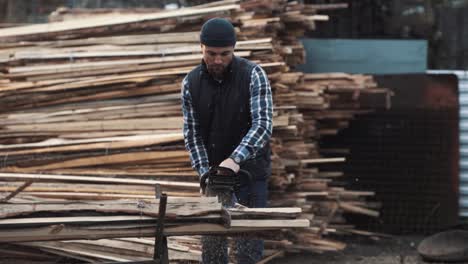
[226, 184]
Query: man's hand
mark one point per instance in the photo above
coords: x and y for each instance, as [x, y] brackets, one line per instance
[229, 163]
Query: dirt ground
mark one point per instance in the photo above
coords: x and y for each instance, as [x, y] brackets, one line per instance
[360, 250]
[398, 250]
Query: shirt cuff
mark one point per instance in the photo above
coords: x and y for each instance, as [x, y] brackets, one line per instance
[202, 170]
[238, 157]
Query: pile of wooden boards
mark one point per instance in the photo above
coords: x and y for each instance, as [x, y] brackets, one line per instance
[325, 104]
[93, 105]
[126, 228]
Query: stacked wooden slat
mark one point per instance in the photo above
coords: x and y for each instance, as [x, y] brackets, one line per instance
[180, 250]
[327, 102]
[25, 222]
[64, 13]
[98, 99]
[72, 90]
[198, 216]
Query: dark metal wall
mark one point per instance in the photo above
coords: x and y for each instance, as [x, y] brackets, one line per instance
[408, 155]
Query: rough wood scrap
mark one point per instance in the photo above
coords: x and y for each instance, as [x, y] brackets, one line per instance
[177, 207]
[119, 250]
[181, 249]
[71, 178]
[23, 222]
[64, 13]
[160, 20]
[345, 96]
[26, 229]
[94, 191]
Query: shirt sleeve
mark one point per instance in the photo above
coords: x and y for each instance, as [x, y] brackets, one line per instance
[192, 138]
[261, 108]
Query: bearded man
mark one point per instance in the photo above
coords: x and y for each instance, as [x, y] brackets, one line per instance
[227, 106]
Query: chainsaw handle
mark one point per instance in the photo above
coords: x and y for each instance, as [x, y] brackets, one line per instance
[230, 173]
[213, 170]
[204, 177]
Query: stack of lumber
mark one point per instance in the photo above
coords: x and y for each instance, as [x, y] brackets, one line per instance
[325, 104]
[110, 106]
[342, 97]
[94, 107]
[125, 227]
[64, 13]
[182, 249]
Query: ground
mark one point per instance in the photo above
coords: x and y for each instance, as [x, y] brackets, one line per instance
[398, 250]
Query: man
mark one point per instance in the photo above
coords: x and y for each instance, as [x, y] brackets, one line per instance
[227, 106]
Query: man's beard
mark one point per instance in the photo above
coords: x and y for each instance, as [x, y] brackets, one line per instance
[217, 71]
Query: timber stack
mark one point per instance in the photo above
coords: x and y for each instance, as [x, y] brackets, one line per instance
[126, 228]
[91, 110]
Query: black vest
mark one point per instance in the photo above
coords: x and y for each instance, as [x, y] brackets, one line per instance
[223, 111]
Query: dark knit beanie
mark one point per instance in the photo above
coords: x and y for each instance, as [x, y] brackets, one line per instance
[218, 32]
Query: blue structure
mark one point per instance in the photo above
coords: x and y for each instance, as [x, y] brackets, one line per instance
[365, 56]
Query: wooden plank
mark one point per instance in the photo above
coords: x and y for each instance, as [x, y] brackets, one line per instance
[17, 86]
[90, 220]
[168, 172]
[81, 188]
[70, 67]
[62, 178]
[71, 220]
[167, 138]
[114, 246]
[148, 112]
[107, 146]
[270, 210]
[103, 196]
[141, 208]
[110, 159]
[324, 160]
[99, 71]
[128, 51]
[171, 38]
[15, 192]
[99, 125]
[137, 78]
[358, 210]
[279, 253]
[102, 22]
[52, 233]
[91, 107]
[277, 223]
[87, 252]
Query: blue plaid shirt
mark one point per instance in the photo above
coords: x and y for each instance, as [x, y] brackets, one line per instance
[261, 108]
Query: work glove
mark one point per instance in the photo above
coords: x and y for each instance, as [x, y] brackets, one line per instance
[230, 164]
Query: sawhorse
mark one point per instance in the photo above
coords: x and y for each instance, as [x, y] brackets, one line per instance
[161, 253]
